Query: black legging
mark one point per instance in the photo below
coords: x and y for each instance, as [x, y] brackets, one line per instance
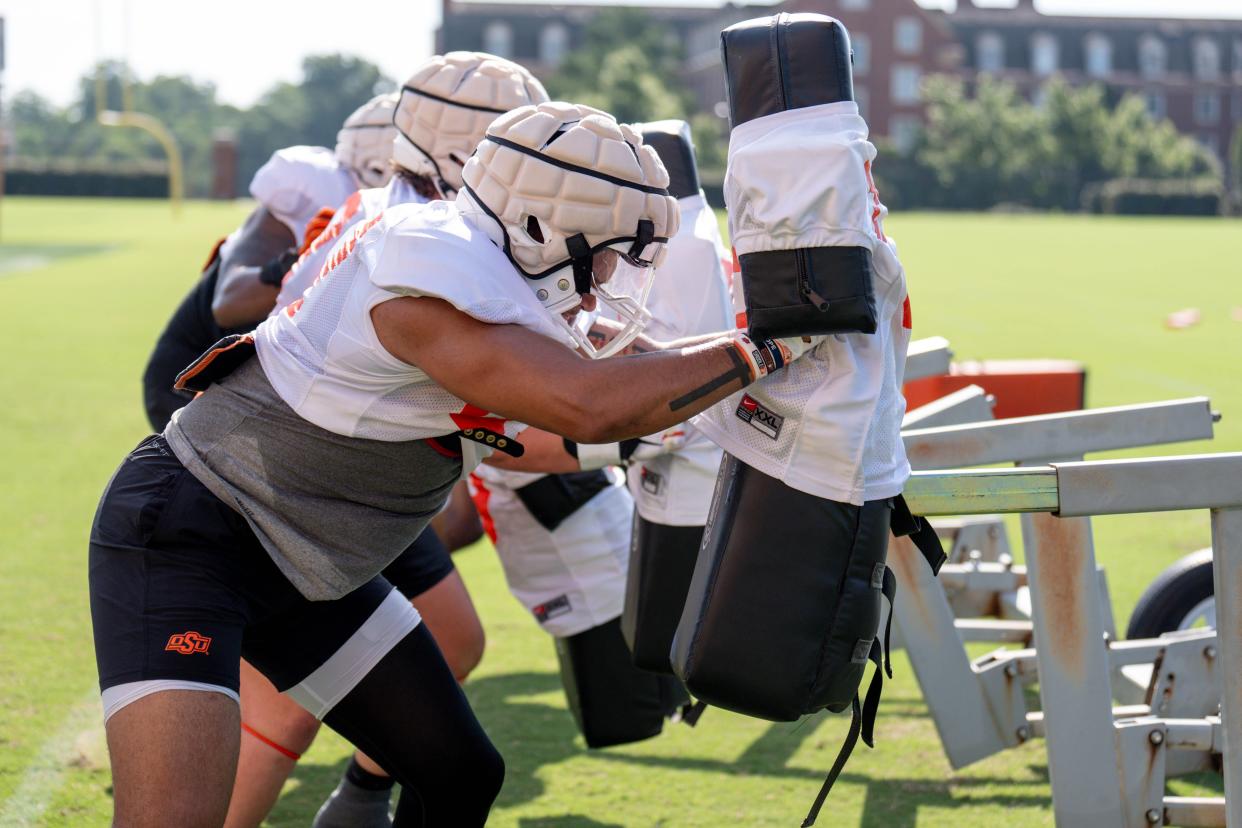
[413, 719]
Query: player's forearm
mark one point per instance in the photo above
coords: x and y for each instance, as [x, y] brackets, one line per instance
[241, 298]
[639, 395]
[544, 452]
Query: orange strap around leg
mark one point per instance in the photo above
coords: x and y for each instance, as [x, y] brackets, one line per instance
[281, 749]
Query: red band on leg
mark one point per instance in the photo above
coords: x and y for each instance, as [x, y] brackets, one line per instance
[281, 749]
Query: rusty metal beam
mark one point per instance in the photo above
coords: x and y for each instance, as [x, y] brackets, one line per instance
[1161, 484]
[1227, 581]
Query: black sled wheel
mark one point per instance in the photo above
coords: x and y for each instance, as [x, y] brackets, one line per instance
[1181, 597]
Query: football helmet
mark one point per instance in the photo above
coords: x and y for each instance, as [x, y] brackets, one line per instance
[446, 106]
[579, 205]
[364, 143]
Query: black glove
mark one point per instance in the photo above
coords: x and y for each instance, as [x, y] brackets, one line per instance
[273, 273]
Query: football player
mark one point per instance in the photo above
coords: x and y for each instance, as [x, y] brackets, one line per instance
[440, 115]
[291, 188]
[258, 523]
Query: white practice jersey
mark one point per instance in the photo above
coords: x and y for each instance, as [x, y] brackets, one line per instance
[360, 206]
[322, 355]
[830, 423]
[689, 296]
[570, 578]
[298, 182]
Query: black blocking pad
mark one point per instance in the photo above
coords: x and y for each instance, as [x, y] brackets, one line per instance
[673, 143]
[784, 604]
[661, 564]
[612, 701]
[786, 61]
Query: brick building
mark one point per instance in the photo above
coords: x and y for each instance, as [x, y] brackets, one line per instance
[1187, 70]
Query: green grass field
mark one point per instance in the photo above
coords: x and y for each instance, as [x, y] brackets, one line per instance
[86, 285]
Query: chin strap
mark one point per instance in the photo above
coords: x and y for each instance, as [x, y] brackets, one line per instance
[580, 252]
[643, 236]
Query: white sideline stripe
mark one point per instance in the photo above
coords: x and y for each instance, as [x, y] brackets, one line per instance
[45, 773]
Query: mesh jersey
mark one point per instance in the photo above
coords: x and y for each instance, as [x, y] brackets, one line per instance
[360, 206]
[296, 182]
[323, 356]
[830, 423]
[571, 578]
[689, 296]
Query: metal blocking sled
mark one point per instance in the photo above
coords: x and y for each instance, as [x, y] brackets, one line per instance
[1107, 766]
[979, 708]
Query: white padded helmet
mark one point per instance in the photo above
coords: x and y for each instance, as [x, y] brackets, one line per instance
[558, 183]
[364, 144]
[445, 108]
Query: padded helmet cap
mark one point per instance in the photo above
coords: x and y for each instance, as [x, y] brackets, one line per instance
[364, 143]
[558, 183]
[446, 106]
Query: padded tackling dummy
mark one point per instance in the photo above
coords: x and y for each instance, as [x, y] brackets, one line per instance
[666, 540]
[613, 702]
[784, 606]
[662, 560]
[563, 541]
[799, 170]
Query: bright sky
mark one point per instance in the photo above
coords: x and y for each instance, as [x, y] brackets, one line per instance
[244, 46]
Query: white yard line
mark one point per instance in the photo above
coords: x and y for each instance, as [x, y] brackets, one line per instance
[45, 773]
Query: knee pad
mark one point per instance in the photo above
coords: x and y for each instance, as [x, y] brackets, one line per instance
[799, 172]
[612, 701]
[784, 606]
[661, 564]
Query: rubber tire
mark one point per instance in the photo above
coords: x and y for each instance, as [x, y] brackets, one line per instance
[1174, 593]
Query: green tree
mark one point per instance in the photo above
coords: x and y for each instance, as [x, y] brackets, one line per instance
[629, 66]
[984, 149]
[996, 147]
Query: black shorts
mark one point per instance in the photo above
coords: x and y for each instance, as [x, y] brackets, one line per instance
[425, 563]
[181, 590]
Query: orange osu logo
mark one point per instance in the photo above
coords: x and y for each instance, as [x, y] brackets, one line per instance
[188, 643]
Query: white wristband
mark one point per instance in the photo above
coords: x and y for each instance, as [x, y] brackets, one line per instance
[598, 455]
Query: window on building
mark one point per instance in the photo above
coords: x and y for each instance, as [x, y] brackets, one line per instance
[1207, 108]
[1237, 57]
[855, 5]
[1208, 141]
[905, 84]
[904, 130]
[553, 43]
[1157, 106]
[1207, 58]
[863, 98]
[1153, 57]
[498, 39]
[1237, 107]
[1045, 54]
[862, 53]
[990, 52]
[908, 35]
[1099, 55]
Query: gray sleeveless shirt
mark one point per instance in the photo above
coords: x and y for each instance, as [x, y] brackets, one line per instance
[331, 510]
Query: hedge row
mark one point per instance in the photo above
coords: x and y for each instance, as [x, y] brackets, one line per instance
[129, 180]
[1142, 197]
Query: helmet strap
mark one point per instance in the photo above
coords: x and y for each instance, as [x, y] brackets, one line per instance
[643, 236]
[580, 253]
